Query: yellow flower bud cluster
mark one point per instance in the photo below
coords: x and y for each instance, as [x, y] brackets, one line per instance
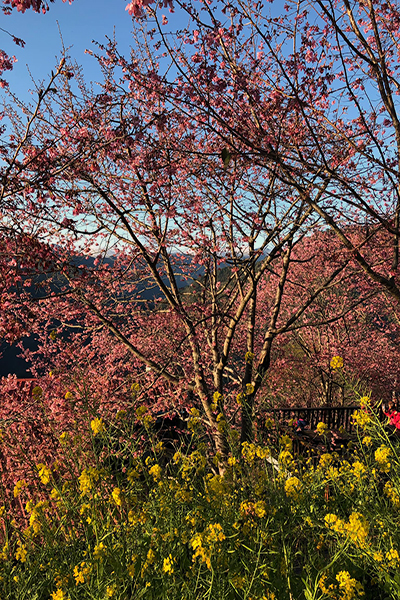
[88, 479]
[361, 418]
[336, 362]
[251, 451]
[293, 488]
[322, 428]
[116, 495]
[207, 542]
[382, 456]
[356, 530]
[80, 572]
[392, 494]
[97, 426]
[44, 473]
[19, 486]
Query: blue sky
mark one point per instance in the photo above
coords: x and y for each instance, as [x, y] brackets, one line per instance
[80, 23]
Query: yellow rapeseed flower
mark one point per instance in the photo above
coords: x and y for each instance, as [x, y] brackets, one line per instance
[382, 455]
[194, 421]
[79, 576]
[248, 452]
[97, 426]
[155, 471]
[251, 451]
[285, 458]
[359, 469]
[259, 509]
[168, 566]
[200, 551]
[37, 514]
[65, 438]
[140, 411]
[148, 421]
[249, 389]
[131, 568]
[262, 452]
[293, 488]
[392, 558]
[150, 559]
[330, 520]
[4, 554]
[99, 551]
[88, 478]
[133, 474]
[357, 529]
[216, 485]
[80, 572]
[239, 399]
[203, 543]
[361, 418]
[349, 588]
[337, 362]
[135, 388]
[322, 428]
[325, 461]
[286, 443]
[44, 473]
[253, 508]
[215, 533]
[21, 552]
[392, 494]
[365, 401]
[217, 397]
[59, 595]
[117, 497]
[19, 486]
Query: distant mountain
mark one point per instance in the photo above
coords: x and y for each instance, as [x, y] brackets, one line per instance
[10, 363]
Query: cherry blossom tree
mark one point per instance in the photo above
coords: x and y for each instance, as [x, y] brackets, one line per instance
[109, 172]
[219, 149]
[316, 89]
[366, 337]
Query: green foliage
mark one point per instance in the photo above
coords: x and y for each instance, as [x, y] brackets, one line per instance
[166, 526]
